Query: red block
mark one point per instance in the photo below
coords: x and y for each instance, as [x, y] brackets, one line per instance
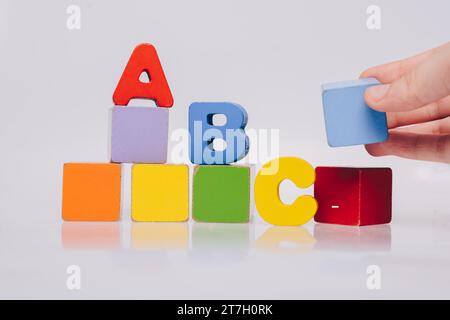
[143, 59]
[353, 196]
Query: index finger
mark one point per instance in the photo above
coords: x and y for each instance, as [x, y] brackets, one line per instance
[389, 72]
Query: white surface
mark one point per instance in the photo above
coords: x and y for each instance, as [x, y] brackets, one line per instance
[223, 261]
[270, 57]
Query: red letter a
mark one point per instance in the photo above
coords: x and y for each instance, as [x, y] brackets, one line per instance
[143, 59]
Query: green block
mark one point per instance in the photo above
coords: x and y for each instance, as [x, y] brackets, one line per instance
[221, 193]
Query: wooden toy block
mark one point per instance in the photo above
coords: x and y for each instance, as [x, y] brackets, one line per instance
[159, 236]
[348, 120]
[91, 192]
[143, 59]
[221, 194]
[203, 132]
[353, 196]
[267, 197]
[160, 192]
[139, 135]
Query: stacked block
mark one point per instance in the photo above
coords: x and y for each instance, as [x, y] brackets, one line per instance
[348, 119]
[139, 135]
[91, 192]
[221, 192]
[160, 192]
[353, 196]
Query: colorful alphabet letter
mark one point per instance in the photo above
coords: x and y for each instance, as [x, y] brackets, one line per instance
[267, 197]
[143, 59]
[203, 132]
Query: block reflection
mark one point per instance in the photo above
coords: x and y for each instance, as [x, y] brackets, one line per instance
[90, 235]
[212, 242]
[286, 240]
[160, 236]
[350, 238]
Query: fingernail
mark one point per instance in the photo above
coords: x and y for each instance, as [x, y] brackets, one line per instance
[376, 93]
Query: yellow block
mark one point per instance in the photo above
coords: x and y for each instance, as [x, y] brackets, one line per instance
[160, 192]
[267, 197]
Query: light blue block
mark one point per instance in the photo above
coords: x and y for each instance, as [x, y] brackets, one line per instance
[348, 119]
[202, 133]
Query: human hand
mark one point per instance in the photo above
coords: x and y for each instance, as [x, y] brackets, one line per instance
[415, 93]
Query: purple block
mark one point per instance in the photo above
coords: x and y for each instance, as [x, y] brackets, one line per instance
[139, 134]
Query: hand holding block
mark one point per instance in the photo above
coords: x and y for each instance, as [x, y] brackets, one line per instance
[353, 196]
[139, 135]
[221, 194]
[348, 120]
[143, 59]
[160, 192]
[203, 131]
[91, 192]
[267, 197]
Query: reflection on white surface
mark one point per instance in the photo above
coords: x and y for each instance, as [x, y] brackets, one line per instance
[290, 240]
[351, 238]
[159, 235]
[139, 260]
[90, 235]
[219, 242]
[242, 261]
[213, 240]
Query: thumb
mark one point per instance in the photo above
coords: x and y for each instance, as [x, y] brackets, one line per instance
[428, 82]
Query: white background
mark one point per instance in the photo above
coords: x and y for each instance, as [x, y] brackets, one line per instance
[269, 56]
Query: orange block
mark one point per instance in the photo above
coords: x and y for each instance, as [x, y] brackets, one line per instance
[91, 192]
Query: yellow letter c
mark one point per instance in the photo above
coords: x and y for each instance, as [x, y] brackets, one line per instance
[267, 198]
